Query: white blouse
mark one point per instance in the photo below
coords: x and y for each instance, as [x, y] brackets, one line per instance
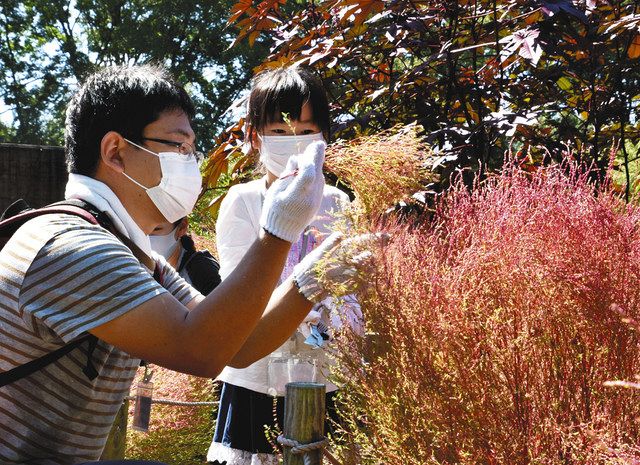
[237, 228]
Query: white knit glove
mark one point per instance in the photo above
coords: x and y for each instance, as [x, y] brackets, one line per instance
[341, 258]
[293, 200]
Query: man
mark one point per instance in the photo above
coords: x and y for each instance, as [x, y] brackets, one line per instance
[129, 148]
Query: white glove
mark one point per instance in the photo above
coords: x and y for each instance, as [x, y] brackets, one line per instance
[340, 259]
[293, 200]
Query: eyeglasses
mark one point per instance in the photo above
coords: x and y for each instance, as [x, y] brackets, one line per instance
[185, 148]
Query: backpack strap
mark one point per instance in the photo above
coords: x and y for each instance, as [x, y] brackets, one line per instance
[95, 216]
[16, 207]
[28, 368]
[12, 222]
[19, 213]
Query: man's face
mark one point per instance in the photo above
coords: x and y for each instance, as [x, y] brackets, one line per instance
[171, 129]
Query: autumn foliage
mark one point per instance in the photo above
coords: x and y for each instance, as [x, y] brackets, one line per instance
[179, 435]
[477, 75]
[493, 327]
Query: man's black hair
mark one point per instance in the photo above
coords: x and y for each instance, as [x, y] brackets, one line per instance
[122, 99]
[285, 91]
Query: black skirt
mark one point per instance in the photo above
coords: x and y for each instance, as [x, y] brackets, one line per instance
[244, 414]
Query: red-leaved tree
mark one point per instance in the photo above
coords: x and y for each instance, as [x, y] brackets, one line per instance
[478, 75]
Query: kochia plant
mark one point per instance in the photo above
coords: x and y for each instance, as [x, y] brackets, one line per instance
[384, 168]
[493, 326]
[178, 435]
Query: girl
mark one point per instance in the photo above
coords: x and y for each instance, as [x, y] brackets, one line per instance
[288, 109]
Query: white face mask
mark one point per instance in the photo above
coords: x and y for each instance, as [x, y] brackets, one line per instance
[165, 244]
[276, 150]
[179, 188]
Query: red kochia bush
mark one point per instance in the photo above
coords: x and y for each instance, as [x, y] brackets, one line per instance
[493, 326]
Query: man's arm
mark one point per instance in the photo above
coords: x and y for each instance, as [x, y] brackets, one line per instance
[286, 309]
[203, 341]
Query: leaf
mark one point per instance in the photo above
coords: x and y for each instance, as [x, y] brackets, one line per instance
[473, 113]
[214, 205]
[634, 48]
[534, 17]
[530, 51]
[217, 200]
[241, 163]
[218, 167]
[252, 37]
[381, 74]
[239, 9]
[564, 83]
[526, 40]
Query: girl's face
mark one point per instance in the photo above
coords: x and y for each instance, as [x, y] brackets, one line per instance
[302, 127]
[275, 162]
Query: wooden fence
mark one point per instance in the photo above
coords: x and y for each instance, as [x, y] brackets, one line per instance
[35, 173]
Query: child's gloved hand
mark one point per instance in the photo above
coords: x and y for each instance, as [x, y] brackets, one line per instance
[341, 257]
[312, 319]
[293, 200]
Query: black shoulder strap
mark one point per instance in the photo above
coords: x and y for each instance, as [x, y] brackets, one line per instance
[26, 369]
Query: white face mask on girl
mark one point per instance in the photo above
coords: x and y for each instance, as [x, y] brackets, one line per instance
[180, 186]
[164, 244]
[276, 150]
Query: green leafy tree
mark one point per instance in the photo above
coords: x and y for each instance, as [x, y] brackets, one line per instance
[50, 46]
[19, 54]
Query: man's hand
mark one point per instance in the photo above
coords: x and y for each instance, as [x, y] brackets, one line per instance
[293, 200]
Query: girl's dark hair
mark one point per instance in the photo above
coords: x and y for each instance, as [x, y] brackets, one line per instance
[285, 91]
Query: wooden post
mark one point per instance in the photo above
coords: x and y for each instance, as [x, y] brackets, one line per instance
[304, 412]
[117, 440]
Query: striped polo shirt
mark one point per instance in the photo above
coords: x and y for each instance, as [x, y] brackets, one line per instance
[60, 277]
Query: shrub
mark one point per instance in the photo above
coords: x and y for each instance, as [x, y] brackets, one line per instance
[383, 169]
[177, 435]
[494, 325]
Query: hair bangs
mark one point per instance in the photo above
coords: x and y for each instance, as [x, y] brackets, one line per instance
[278, 96]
